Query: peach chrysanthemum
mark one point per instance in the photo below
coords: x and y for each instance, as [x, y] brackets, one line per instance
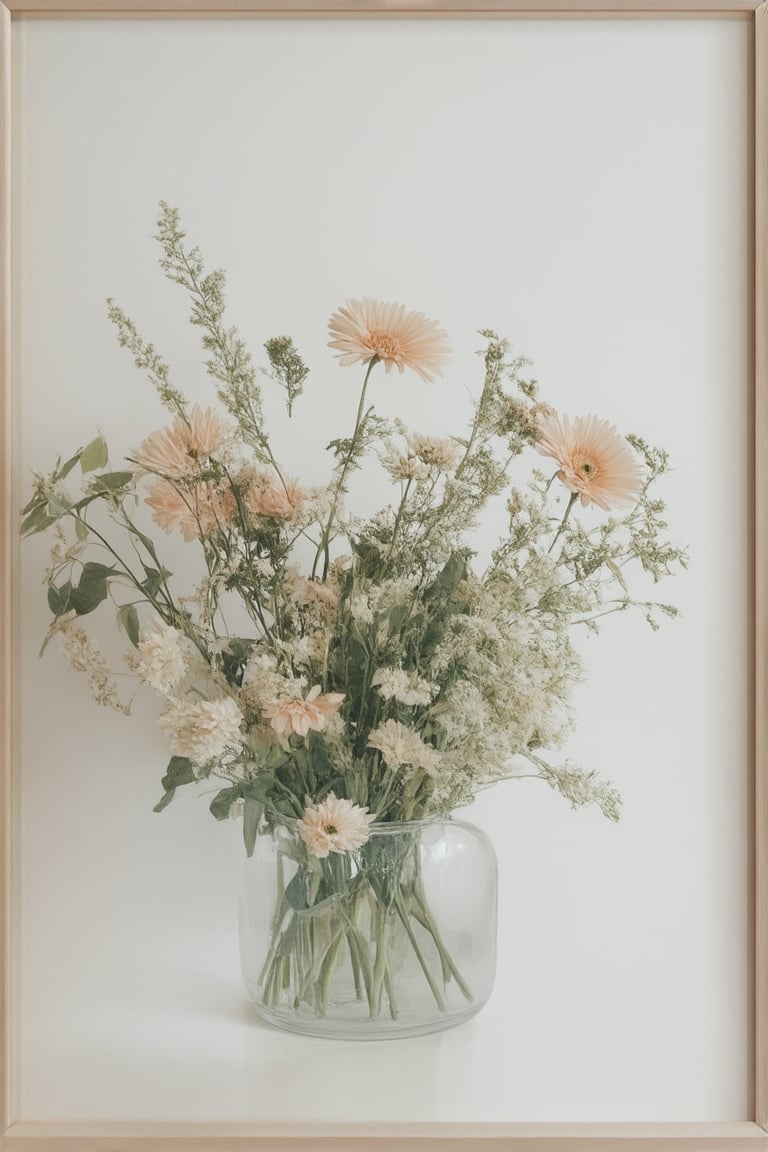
[267, 495]
[196, 512]
[367, 328]
[289, 714]
[334, 825]
[595, 460]
[182, 447]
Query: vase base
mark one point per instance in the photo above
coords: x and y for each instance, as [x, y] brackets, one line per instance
[361, 1028]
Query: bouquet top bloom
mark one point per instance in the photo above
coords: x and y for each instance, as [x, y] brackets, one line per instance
[332, 669]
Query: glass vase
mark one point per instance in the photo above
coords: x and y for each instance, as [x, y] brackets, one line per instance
[395, 939]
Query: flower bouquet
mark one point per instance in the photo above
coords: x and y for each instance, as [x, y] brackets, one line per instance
[351, 681]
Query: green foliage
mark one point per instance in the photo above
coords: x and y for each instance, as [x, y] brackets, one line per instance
[288, 368]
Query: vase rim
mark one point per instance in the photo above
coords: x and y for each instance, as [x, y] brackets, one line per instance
[385, 828]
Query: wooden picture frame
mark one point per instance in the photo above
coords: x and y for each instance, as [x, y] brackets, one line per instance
[750, 1132]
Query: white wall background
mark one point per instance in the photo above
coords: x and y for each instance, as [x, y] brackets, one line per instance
[581, 187]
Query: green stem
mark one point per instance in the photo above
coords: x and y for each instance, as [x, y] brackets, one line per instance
[326, 537]
[563, 522]
[439, 998]
[425, 918]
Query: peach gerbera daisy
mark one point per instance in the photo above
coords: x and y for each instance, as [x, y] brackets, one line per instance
[334, 825]
[596, 461]
[290, 714]
[180, 448]
[367, 328]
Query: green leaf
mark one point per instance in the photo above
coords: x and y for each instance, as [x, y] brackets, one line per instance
[296, 892]
[112, 481]
[91, 589]
[58, 598]
[449, 577]
[252, 814]
[81, 529]
[128, 619]
[37, 521]
[257, 789]
[169, 795]
[94, 571]
[57, 508]
[66, 468]
[223, 801]
[94, 455]
[179, 771]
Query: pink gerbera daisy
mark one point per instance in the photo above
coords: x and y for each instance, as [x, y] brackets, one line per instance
[364, 329]
[596, 461]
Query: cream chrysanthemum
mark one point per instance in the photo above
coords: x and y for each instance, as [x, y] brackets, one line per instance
[367, 328]
[401, 747]
[596, 461]
[184, 446]
[334, 825]
[202, 731]
[291, 714]
[162, 661]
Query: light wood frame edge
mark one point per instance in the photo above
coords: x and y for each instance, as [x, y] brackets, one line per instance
[182, 1137]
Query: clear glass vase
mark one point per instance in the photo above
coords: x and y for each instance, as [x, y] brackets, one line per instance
[396, 939]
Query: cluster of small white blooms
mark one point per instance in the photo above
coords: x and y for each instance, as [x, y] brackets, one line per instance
[441, 453]
[162, 660]
[401, 467]
[304, 649]
[402, 747]
[360, 608]
[204, 730]
[62, 551]
[405, 687]
[84, 656]
[316, 505]
[262, 681]
[390, 594]
[512, 684]
[46, 485]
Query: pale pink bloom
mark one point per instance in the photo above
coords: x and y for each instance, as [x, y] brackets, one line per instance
[288, 714]
[202, 731]
[403, 747]
[266, 495]
[334, 825]
[197, 511]
[595, 460]
[184, 446]
[367, 328]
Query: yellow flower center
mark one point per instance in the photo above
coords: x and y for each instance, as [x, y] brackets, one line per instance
[587, 467]
[331, 829]
[384, 344]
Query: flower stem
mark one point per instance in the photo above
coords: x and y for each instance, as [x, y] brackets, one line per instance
[439, 998]
[326, 537]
